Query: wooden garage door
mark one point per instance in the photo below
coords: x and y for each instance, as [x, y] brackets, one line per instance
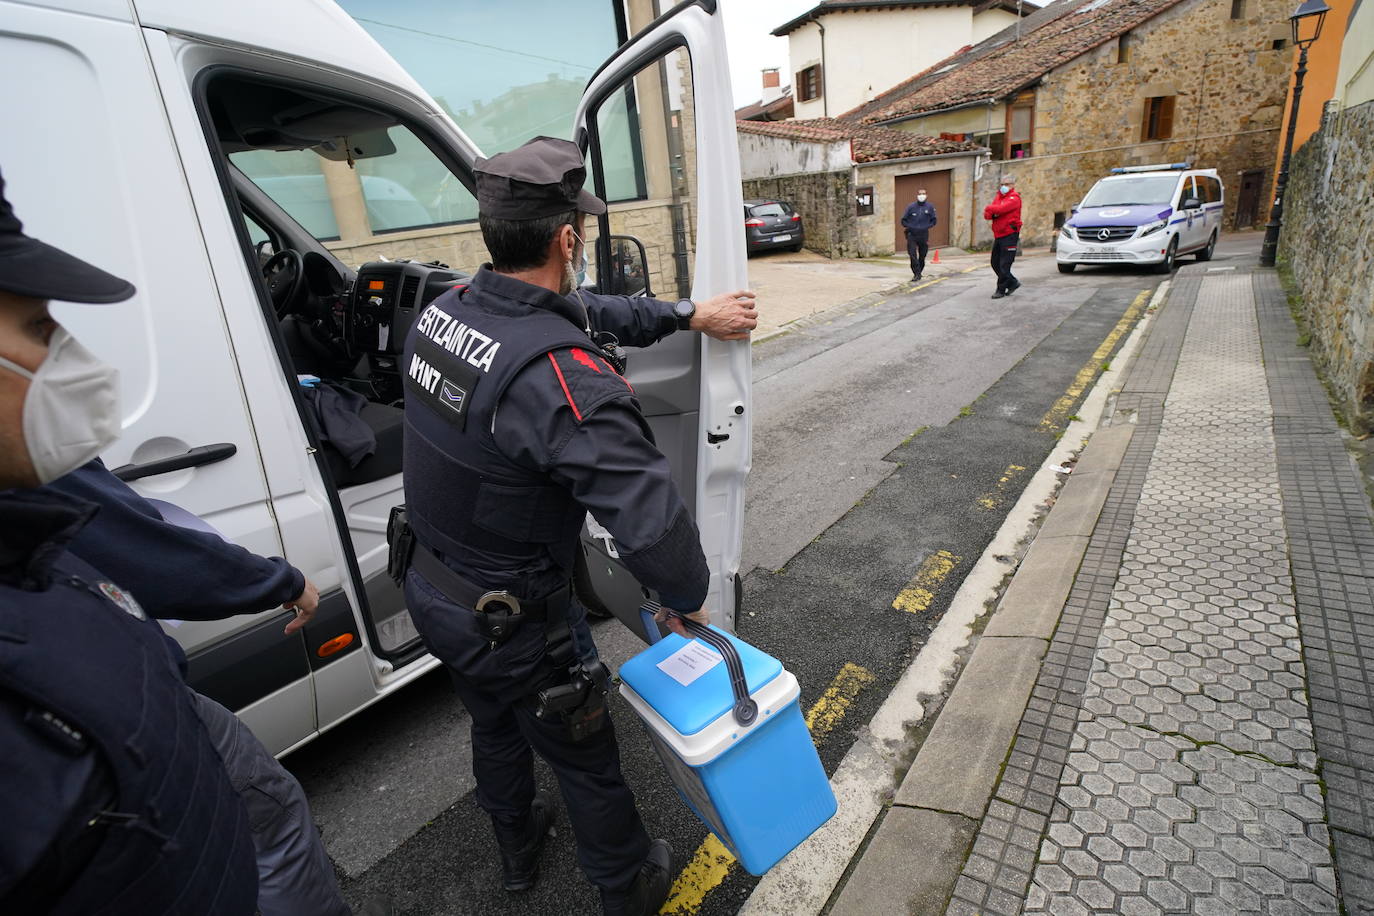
[937, 193]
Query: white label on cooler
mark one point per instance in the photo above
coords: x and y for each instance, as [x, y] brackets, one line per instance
[690, 662]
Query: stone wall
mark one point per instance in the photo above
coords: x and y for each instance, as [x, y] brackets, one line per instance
[877, 233]
[1328, 240]
[1228, 83]
[826, 202]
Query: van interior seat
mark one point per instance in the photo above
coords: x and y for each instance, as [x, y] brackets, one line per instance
[387, 424]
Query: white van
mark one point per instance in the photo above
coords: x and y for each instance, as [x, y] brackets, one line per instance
[1145, 214]
[151, 136]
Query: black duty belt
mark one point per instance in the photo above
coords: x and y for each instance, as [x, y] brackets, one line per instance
[460, 591]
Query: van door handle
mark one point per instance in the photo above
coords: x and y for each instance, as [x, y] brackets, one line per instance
[204, 454]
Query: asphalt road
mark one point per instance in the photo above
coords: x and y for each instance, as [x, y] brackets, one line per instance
[889, 442]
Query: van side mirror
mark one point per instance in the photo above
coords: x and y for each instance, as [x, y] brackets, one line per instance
[627, 274]
[1191, 203]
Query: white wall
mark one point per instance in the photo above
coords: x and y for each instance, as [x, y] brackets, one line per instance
[770, 157]
[1355, 81]
[990, 22]
[976, 120]
[867, 52]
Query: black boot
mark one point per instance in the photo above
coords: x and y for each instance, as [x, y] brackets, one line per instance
[520, 846]
[650, 887]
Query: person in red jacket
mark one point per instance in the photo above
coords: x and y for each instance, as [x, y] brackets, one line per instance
[1005, 214]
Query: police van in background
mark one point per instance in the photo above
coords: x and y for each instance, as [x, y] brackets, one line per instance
[139, 142]
[1145, 214]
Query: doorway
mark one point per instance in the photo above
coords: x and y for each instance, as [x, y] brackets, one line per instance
[1247, 203]
[904, 189]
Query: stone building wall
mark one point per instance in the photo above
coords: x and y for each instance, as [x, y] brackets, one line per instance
[1228, 83]
[1328, 240]
[826, 202]
[877, 233]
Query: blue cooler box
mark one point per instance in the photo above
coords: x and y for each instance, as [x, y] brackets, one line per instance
[761, 787]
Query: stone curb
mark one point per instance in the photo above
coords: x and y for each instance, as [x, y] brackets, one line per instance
[913, 860]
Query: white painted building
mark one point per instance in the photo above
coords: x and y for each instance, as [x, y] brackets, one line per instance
[843, 53]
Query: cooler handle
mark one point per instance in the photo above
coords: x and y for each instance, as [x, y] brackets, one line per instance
[746, 710]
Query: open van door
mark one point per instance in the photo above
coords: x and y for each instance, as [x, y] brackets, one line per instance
[656, 124]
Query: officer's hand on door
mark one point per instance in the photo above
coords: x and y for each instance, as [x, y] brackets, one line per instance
[674, 618]
[304, 605]
[729, 316]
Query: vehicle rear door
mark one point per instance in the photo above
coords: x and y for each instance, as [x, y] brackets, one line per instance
[657, 126]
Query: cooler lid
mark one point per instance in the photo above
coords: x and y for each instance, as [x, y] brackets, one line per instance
[686, 681]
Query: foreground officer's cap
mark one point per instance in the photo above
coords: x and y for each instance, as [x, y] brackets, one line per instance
[29, 267]
[542, 178]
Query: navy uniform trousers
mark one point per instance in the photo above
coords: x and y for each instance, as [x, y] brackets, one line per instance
[494, 685]
[1003, 254]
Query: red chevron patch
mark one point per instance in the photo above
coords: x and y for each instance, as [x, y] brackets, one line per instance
[582, 357]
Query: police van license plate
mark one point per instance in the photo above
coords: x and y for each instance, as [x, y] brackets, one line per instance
[782, 238]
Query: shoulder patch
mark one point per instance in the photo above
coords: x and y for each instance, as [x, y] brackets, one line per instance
[586, 379]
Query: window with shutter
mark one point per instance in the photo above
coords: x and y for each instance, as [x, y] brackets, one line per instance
[1020, 126]
[808, 83]
[1157, 118]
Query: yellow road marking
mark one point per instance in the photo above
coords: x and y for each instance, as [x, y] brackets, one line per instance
[1057, 414]
[708, 868]
[711, 863]
[834, 703]
[920, 591]
[990, 500]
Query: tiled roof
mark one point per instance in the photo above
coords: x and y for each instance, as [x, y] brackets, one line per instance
[870, 144]
[837, 6]
[1000, 65]
[776, 110]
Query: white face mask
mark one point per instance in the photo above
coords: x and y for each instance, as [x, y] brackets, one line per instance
[921, 198]
[1005, 188]
[71, 410]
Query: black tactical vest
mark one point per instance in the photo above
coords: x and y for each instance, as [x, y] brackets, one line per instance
[98, 682]
[459, 360]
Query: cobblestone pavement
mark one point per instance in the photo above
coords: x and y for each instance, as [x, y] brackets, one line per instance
[1167, 761]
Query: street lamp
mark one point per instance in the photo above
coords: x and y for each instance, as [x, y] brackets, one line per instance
[1307, 22]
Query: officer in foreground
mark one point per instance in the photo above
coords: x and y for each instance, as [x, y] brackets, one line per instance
[504, 456]
[113, 799]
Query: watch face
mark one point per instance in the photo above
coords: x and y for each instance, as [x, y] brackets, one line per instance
[685, 308]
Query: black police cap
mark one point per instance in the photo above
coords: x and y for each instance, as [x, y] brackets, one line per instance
[29, 267]
[542, 178]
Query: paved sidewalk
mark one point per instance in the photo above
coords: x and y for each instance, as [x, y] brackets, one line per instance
[1171, 710]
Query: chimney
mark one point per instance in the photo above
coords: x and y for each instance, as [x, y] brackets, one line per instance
[771, 85]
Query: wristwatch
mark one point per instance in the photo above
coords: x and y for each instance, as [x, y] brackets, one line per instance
[683, 312]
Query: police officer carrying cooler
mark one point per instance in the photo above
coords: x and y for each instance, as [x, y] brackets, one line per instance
[517, 424]
[113, 800]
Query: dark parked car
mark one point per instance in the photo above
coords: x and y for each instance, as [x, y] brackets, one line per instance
[770, 224]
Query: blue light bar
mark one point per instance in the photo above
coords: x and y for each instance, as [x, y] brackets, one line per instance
[1162, 167]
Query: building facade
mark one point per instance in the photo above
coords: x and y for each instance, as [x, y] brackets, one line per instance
[852, 184]
[1328, 237]
[844, 52]
[1088, 86]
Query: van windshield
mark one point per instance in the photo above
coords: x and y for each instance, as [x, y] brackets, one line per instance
[1123, 192]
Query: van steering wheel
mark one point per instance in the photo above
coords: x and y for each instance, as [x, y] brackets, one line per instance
[284, 273]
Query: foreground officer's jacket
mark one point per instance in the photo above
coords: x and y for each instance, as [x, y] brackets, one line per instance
[516, 425]
[94, 717]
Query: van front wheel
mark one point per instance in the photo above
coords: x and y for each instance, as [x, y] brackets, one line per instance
[1206, 253]
[1167, 265]
[1067, 268]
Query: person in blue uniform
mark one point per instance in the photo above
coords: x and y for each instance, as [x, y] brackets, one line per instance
[918, 219]
[179, 573]
[516, 425]
[114, 799]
